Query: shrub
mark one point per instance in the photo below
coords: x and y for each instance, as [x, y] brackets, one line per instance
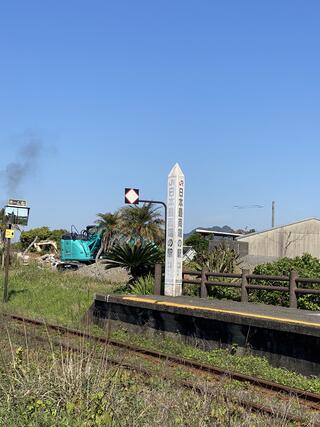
[306, 266]
[43, 233]
[221, 260]
[142, 286]
[138, 257]
[198, 242]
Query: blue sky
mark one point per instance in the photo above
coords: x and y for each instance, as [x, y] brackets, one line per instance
[118, 91]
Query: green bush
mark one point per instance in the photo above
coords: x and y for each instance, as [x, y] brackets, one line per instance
[138, 257]
[220, 260]
[142, 286]
[306, 266]
[43, 233]
[198, 242]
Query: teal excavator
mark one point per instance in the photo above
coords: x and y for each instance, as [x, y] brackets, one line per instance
[79, 248]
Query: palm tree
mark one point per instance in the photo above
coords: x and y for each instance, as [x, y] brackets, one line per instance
[144, 221]
[137, 258]
[109, 226]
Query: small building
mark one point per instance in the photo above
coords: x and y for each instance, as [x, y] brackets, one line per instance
[220, 234]
[228, 240]
[289, 240]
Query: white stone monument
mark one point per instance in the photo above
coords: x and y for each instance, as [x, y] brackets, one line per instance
[174, 243]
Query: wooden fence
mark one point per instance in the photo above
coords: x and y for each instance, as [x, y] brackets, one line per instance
[205, 279]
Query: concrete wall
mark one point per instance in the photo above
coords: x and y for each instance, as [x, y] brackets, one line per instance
[295, 348]
[287, 241]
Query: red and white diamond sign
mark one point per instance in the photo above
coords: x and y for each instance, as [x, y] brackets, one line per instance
[131, 196]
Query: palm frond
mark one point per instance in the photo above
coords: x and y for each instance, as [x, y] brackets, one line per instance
[137, 258]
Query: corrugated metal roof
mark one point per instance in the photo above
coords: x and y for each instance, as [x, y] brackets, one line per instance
[277, 227]
[218, 233]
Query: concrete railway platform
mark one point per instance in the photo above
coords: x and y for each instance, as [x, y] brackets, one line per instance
[288, 337]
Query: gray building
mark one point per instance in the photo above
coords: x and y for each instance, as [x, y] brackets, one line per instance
[228, 240]
[289, 240]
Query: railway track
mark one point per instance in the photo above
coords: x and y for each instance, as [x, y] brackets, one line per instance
[311, 400]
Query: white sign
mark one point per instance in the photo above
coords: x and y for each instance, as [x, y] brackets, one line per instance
[15, 202]
[174, 243]
[131, 196]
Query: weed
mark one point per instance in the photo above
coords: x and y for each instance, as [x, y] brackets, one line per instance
[58, 297]
[61, 388]
[226, 359]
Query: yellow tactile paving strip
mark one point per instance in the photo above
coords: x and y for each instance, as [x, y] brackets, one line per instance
[220, 310]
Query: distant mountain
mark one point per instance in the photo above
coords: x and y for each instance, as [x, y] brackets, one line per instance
[225, 229]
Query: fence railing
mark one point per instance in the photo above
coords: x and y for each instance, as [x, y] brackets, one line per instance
[206, 279]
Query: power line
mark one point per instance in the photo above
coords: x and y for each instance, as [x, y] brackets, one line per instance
[248, 206]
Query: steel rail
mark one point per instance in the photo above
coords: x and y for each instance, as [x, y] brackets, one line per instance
[258, 382]
[245, 403]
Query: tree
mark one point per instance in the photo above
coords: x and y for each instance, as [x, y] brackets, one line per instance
[144, 221]
[109, 225]
[43, 233]
[198, 242]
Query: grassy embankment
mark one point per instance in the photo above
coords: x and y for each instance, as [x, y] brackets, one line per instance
[57, 297]
[65, 298]
[43, 387]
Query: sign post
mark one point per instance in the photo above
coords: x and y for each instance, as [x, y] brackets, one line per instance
[7, 262]
[131, 197]
[174, 240]
[16, 212]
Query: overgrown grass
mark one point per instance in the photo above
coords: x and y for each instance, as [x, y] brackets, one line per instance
[65, 299]
[246, 364]
[58, 297]
[45, 388]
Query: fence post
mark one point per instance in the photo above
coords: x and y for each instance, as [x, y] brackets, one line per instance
[292, 289]
[157, 279]
[203, 288]
[244, 282]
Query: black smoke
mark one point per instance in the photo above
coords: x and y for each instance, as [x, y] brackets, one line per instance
[28, 155]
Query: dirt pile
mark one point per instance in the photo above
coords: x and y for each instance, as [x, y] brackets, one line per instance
[98, 271]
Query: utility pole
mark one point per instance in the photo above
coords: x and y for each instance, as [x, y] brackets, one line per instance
[273, 213]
